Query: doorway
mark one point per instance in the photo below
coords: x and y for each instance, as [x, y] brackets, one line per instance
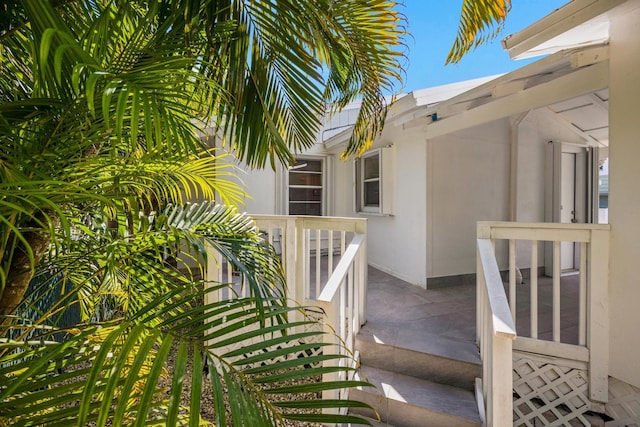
[571, 195]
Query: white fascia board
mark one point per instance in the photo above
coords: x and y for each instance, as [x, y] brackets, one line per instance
[437, 94]
[423, 100]
[338, 140]
[578, 23]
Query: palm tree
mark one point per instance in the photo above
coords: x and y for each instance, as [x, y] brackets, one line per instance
[480, 21]
[103, 108]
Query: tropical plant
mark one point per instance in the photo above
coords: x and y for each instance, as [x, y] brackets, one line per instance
[480, 21]
[104, 110]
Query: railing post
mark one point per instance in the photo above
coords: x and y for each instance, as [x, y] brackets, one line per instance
[300, 249]
[500, 408]
[598, 315]
[332, 317]
[213, 273]
[290, 254]
[498, 332]
[483, 232]
[361, 228]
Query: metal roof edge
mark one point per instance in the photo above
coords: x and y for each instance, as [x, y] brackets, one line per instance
[562, 20]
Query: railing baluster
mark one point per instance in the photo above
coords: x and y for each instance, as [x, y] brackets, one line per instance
[307, 264]
[354, 327]
[270, 241]
[512, 278]
[533, 273]
[556, 291]
[318, 263]
[229, 278]
[362, 284]
[343, 302]
[329, 252]
[582, 322]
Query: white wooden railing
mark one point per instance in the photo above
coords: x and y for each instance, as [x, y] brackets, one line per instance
[496, 320]
[496, 332]
[343, 302]
[325, 265]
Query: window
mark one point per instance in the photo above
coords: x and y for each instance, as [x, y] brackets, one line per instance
[369, 173]
[373, 193]
[306, 187]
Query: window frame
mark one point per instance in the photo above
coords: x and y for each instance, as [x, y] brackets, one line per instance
[386, 182]
[362, 180]
[322, 187]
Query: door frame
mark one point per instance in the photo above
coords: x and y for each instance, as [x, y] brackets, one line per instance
[585, 187]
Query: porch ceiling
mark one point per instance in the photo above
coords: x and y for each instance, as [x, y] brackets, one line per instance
[587, 116]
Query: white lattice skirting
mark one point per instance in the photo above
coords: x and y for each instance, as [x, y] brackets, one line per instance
[309, 343]
[547, 394]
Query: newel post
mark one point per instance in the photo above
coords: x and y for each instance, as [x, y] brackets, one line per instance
[598, 315]
[362, 274]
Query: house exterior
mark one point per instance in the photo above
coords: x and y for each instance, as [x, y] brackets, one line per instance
[435, 180]
[526, 146]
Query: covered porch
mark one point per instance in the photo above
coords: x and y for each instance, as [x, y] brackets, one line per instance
[431, 353]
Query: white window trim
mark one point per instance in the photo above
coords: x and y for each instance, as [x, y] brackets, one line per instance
[325, 181]
[386, 175]
[361, 182]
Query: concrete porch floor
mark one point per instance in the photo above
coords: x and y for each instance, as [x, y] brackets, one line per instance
[400, 312]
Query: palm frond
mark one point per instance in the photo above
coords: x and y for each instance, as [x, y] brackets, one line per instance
[278, 82]
[113, 372]
[103, 106]
[129, 264]
[364, 52]
[480, 21]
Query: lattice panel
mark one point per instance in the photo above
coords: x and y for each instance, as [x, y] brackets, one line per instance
[312, 327]
[315, 351]
[549, 395]
[623, 405]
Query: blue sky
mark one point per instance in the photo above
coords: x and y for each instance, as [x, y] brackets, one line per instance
[433, 26]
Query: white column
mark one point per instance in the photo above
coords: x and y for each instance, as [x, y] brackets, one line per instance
[624, 194]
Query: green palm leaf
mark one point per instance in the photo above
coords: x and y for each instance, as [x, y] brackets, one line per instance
[480, 21]
[110, 371]
[104, 110]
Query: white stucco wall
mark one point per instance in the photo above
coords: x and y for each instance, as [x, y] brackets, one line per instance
[396, 243]
[468, 182]
[624, 195]
[260, 186]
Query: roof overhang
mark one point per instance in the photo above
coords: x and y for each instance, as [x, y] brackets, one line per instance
[555, 78]
[409, 109]
[578, 23]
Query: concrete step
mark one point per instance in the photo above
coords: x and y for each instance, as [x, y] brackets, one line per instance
[436, 358]
[406, 401]
[373, 422]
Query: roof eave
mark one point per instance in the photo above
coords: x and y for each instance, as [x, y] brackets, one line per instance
[559, 30]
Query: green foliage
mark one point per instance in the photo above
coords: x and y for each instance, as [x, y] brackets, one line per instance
[105, 107]
[480, 21]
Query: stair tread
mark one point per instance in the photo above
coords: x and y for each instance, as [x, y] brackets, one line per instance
[421, 393]
[373, 422]
[433, 344]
